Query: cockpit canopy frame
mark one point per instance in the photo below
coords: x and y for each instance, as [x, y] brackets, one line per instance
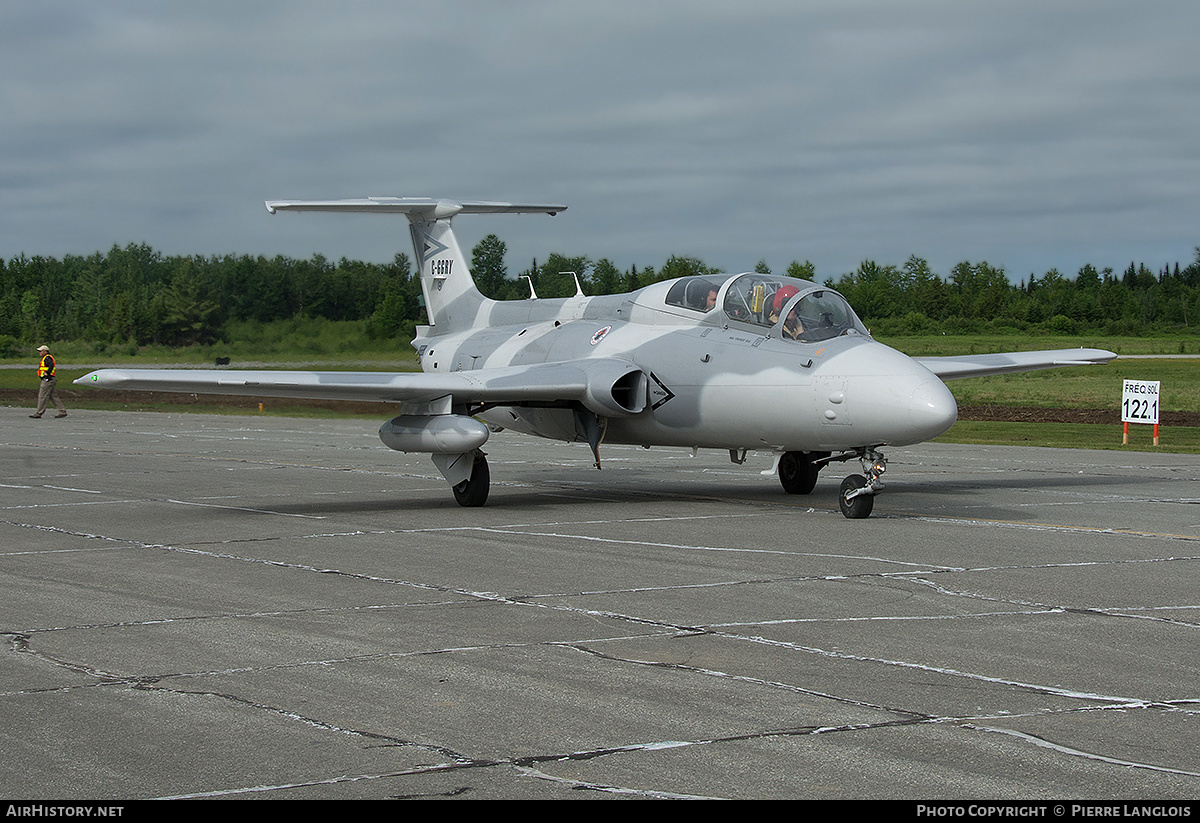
[783, 307]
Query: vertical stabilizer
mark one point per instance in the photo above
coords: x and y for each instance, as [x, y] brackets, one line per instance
[451, 299]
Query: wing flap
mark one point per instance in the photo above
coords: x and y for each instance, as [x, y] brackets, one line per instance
[984, 365]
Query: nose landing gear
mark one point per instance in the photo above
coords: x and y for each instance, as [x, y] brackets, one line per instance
[856, 497]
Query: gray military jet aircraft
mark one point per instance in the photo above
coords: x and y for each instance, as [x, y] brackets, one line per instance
[742, 362]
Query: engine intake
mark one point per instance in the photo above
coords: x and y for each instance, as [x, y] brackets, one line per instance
[614, 389]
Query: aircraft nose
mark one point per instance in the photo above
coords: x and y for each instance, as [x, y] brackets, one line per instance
[932, 409]
[888, 398]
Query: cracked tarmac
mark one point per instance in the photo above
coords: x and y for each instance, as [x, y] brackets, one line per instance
[251, 606]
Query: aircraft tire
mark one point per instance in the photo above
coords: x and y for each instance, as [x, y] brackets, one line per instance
[797, 474]
[859, 507]
[473, 491]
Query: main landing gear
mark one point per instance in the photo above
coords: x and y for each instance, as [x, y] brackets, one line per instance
[473, 491]
[856, 497]
[798, 471]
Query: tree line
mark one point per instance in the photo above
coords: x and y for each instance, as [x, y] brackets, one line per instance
[135, 295]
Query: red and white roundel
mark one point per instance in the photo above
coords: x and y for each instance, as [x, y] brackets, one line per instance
[598, 336]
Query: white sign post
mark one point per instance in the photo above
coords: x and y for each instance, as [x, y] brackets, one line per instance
[1139, 404]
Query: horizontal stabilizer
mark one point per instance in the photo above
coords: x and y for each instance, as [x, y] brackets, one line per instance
[421, 208]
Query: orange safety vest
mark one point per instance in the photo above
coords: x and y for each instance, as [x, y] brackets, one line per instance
[46, 369]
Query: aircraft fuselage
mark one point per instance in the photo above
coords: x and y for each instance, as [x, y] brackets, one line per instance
[712, 382]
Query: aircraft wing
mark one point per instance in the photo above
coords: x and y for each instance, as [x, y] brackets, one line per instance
[593, 382]
[983, 365]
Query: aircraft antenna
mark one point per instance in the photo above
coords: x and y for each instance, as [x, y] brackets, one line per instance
[578, 287]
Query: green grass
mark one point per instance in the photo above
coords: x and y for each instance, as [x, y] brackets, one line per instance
[1084, 387]
[1179, 439]
[27, 379]
[324, 343]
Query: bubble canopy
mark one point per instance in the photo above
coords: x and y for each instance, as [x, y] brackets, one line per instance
[792, 309]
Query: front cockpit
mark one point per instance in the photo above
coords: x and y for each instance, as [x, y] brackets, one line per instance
[781, 307]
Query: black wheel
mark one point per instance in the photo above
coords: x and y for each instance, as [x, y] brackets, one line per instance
[797, 474]
[474, 490]
[860, 506]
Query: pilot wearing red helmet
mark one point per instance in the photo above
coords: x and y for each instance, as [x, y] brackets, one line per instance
[784, 294]
[791, 326]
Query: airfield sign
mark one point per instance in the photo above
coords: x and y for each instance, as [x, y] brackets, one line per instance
[1139, 401]
[1139, 404]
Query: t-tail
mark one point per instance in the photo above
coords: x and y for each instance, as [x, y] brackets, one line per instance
[452, 301]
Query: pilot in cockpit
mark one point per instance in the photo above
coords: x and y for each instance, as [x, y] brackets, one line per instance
[792, 328]
[701, 294]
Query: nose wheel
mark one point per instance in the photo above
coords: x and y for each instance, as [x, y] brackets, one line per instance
[856, 498]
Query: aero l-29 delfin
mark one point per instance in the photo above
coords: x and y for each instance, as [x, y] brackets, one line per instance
[742, 362]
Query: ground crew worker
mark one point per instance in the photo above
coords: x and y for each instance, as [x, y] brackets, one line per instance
[48, 392]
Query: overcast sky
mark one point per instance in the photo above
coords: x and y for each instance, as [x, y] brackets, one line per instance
[1030, 134]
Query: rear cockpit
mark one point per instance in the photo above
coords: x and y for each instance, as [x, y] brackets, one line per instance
[782, 307]
[695, 293]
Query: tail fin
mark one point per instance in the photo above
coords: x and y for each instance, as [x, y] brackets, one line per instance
[451, 299]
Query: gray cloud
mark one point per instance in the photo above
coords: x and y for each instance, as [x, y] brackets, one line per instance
[1032, 135]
